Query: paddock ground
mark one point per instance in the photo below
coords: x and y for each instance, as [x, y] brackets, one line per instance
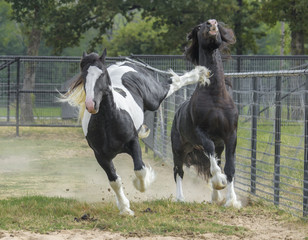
[58, 162]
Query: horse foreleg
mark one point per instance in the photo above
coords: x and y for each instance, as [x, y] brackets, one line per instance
[122, 201]
[116, 184]
[178, 175]
[145, 176]
[229, 169]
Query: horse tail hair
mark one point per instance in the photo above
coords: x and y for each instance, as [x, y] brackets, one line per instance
[200, 161]
[75, 96]
[192, 52]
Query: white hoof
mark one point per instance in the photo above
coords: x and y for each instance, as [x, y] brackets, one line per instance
[233, 203]
[127, 211]
[216, 197]
[219, 181]
[144, 131]
[144, 178]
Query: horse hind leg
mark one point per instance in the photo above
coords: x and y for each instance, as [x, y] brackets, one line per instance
[219, 179]
[116, 185]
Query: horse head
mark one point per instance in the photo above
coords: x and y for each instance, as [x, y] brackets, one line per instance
[209, 36]
[96, 79]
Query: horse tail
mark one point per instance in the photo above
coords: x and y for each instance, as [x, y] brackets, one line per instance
[75, 96]
[200, 161]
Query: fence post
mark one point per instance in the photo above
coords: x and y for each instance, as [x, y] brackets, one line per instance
[8, 92]
[17, 96]
[277, 141]
[305, 189]
[254, 136]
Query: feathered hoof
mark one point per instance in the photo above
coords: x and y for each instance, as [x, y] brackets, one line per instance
[233, 202]
[144, 131]
[144, 178]
[204, 74]
[219, 181]
[127, 211]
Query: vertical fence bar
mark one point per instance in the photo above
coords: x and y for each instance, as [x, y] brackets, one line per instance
[17, 96]
[254, 136]
[8, 92]
[277, 141]
[305, 188]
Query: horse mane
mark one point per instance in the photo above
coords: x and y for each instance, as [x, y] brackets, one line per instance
[227, 36]
[76, 95]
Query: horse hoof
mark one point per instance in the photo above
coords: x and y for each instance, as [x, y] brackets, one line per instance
[233, 203]
[144, 178]
[127, 211]
[219, 181]
[144, 131]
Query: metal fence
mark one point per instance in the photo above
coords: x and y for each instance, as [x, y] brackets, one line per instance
[270, 93]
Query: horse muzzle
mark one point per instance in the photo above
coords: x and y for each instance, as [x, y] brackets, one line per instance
[91, 106]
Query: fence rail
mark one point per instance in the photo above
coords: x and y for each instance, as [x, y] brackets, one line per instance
[270, 93]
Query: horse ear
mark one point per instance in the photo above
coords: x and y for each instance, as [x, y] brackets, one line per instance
[227, 35]
[84, 54]
[103, 56]
[192, 52]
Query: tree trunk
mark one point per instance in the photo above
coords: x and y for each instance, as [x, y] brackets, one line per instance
[238, 28]
[27, 99]
[297, 43]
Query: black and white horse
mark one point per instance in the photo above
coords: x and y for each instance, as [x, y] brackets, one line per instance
[116, 98]
[207, 123]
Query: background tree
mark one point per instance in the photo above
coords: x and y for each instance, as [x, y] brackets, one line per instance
[293, 12]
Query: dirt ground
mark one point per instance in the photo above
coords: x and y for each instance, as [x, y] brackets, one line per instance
[261, 227]
[88, 182]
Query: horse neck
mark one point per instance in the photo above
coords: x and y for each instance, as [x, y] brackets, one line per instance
[212, 61]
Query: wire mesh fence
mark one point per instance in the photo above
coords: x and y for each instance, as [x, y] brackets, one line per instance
[270, 93]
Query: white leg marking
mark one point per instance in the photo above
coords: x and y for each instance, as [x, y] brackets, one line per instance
[122, 201]
[216, 196]
[231, 197]
[179, 189]
[144, 178]
[198, 74]
[219, 180]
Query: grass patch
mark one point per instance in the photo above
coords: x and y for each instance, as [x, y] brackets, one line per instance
[161, 217]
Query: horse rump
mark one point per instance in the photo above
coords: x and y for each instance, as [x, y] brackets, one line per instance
[199, 161]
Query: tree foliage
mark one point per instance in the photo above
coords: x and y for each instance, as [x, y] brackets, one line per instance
[293, 12]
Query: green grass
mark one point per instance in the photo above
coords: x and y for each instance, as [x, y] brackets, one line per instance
[160, 217]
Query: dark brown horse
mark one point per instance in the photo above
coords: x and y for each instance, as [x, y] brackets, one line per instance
[207, 124]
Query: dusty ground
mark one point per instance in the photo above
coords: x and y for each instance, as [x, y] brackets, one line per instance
[261, 227]
[86, 181]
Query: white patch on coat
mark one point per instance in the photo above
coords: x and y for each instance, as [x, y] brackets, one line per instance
[127, 103]
[85, 122]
